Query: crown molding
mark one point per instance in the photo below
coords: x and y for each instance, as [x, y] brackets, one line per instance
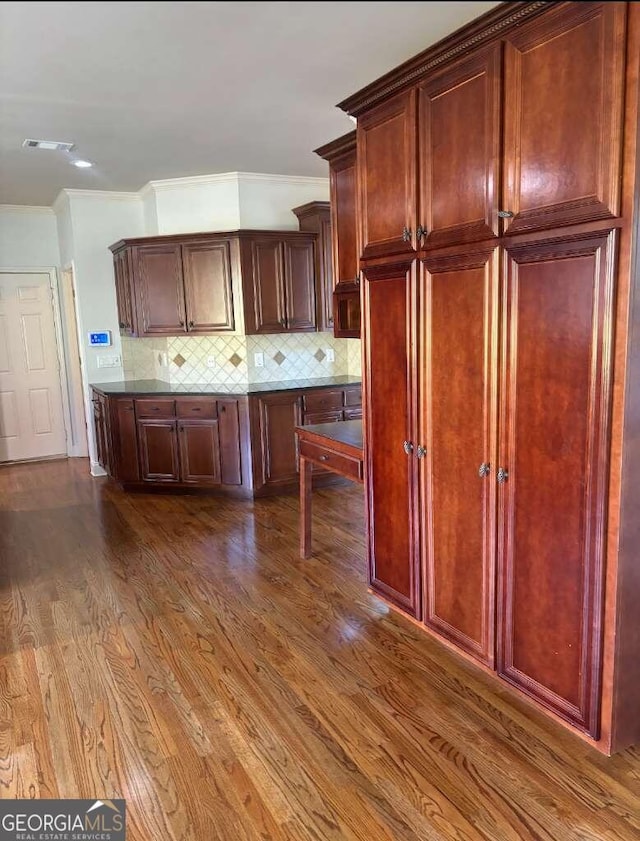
[307, 180]
[27, 208]
[114, 195]
[190, 181]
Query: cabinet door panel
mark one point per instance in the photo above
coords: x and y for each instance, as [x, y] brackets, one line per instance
[387, 176]
[199, 452]
[390, 420]
[158, 450]
[459, 400]
[122, 271]
[267, 287]
[127, 467]
[160, 289]
[230, 444]
[564, 75]
[459, 147]
[327, 282]
[207, 286]
[557, 389]
[279, 415]
[300, 299]
[343, 218]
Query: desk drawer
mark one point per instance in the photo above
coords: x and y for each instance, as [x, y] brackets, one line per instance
[322, 401]
[322, 417]
[149, 408]
[197, 407]
[337, 462]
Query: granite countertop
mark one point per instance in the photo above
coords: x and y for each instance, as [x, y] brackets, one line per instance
[160, 388]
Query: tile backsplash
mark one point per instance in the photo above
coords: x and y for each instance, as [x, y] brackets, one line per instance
[232, 359]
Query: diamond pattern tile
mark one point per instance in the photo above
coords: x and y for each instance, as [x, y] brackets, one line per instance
[279, 357]
[235, 360]
[179, 360]
[319, 355]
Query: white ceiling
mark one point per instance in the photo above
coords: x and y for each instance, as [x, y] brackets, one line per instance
[153, 90]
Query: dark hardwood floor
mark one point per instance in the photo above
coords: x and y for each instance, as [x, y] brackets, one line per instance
[175, 651]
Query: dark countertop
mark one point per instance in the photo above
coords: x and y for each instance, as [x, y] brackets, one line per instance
[346, 432]
[160, 388]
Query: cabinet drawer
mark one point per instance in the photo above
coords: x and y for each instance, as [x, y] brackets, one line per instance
[322, 401]
[337, 462]
[202, 407]
[149, 408]
[353, 397]
[353, 414]
[322, 417]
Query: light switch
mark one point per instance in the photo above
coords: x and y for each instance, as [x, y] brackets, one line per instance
[331, 356]
[258, 360]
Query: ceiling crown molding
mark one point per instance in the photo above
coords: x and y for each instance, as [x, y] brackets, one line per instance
[26, 208]
[189, 181]
[307, 180]
[99, 194]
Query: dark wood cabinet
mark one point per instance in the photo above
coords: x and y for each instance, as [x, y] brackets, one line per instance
[506, 320]
[278, 416]
[199, 452]
[125, 441]
[207, 287]
[158, 440]
[315, 217]
[159, 289]
[341, 156]
[101, 427]
[458, 428]
[564, 93]
[199, 284]
[279, 283]
[390, 417]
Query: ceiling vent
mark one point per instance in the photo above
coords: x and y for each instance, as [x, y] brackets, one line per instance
[52, 145]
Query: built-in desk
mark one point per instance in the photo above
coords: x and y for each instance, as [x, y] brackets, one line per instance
[332, 446]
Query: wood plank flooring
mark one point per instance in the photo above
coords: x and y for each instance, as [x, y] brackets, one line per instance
[175, 651]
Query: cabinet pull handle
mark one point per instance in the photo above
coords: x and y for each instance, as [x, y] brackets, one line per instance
[502, 476]
[421, 232]
[181, 323]
[407, 447]
[191, 324]
[356, 280]
[196, 409]
[121, 325]
[484, 470]
[324, 458]
[505, 214]
[421, 451]
[406, 234]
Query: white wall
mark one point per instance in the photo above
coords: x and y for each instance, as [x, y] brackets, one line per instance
[89, 222]
[28, 237]
[266, 201]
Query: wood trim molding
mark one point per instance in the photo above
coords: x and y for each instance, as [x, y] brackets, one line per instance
[336, 148]
[496, 22]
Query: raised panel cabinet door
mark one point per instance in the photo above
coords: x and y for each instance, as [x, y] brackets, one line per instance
[326, 275]
[207, 287]
[344, 234]
[458, 423]
[386, 155]
[391, 447]
[158, 444]
[459, 151]
[199, 452]
[299, 273]
[160, 289]
[279, 414]
[556, 392]
[122, 271]
[127, 466]
[230, 443]
[99, 422]
[564, 85]
[267, 299]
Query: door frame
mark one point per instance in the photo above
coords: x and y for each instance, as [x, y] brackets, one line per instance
[79, 439]
[52, 274]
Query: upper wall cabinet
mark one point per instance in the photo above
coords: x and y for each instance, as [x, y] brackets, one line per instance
[199, 284]
[341, 156]
[431, 172]
[315, 216]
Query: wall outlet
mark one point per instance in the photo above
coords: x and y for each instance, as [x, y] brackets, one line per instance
[258, 360]
[111, 361]
[211, 362]
[331, 356]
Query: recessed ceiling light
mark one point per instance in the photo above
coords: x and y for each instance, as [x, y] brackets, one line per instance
[82, 164]
[52, 145]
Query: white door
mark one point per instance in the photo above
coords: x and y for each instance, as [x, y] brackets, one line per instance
[31, 414]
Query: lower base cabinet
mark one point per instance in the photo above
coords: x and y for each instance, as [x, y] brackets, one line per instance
[244, 446]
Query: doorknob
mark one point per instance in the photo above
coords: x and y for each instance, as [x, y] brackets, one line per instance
[407, 447]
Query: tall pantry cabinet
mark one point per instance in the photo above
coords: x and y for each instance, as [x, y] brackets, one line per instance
[497, 206]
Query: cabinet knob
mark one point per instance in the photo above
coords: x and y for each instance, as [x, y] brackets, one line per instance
[407, 447]
[121, 325]
[324, 458]
[484, 470]
[421, 451]
[406, 234]
[181, 323]
[502, 475]
[356, 280]
[421, 232]
[191, 324]
[505, 214]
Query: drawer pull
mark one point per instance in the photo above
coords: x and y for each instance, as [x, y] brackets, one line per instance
[196, 408]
